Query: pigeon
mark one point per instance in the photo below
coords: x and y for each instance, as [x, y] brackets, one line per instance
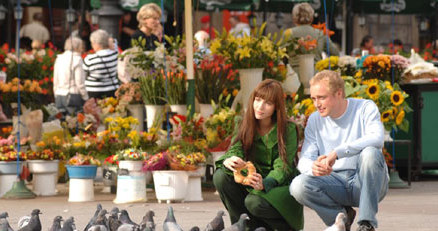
[4, 215]
[339, 224]
[124, 218]
[113, 219]
[101, 222]
[4, 224]
[260, 229]
[93, 219]
[98, 228]
[56, 226]
[128, 227]
[170, 222]
[147, 224]
[34, 222]
[240, 225]
[217, 224]
[195, 228]
[69, 225]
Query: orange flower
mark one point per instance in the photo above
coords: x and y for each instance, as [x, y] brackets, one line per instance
[81, 117]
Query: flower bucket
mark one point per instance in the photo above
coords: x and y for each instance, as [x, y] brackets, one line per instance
[131, 182]
[306, 70]
[194, 189]
[151, 112]
[45, 176]
[249, 79]
[136, 111]
[206, 110]
[180, 109]
[8, 175]
[81, 184]
[170, 185]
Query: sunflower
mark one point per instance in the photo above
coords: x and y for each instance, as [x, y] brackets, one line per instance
[394, 110]
[386, 115]
[400, 118]
[373, 91]
[397, 98]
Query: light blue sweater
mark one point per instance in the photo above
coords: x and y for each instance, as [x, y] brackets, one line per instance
[359, 127]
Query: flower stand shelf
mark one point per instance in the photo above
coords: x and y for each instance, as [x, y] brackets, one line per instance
[81, 186]
[131, 182]
[45, 176]
[194, 189]
[8, 175]
[170, 186]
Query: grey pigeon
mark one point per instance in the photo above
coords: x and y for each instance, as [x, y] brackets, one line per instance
[93, 219]
[339, 224]
[147, 224]
[56, 226]
[240, 225]
[34, 222]
[69, 225]
[195, 228]
[98, 228]
[113, 219]
[4, 225]
[124, 218]
[217, 224]
[260, 229]
[128, 227]
[101, 222]
[170, 222]
[4, 215]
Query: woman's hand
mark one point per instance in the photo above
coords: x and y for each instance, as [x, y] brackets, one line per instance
[234, 162]
[256, 181]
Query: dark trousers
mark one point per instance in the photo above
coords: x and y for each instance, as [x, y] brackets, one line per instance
[101, 95]
[237, 200]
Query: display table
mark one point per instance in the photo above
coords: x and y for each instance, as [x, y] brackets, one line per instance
[408, 143]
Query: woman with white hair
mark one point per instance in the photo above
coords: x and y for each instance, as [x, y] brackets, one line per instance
[101, 67]
[69, 77]
[148, 18]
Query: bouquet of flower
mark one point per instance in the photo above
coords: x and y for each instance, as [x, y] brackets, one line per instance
[253, 51]
[347, 65]
[81, 159]
[187, 129]
[378, 66]
[108, 142]
[177, 92]
[129, 93]
[111, 161]
[328, 63]
[219, 129]
[80, 143]
[301, 46]
[323, 28]
[213, 75]
[29, 92]
[152, 88]
[51, 149]
[130, 154]
[184, 156]
[400, 64]
[108, 106]
[305, 107]
[156, 162]
[120, 126]
[8, 152]
[275, 71]
[144, 140]
[80, 122]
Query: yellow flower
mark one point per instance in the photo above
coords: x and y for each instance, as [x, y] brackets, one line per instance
[386, 115]
[397, 98]
[388, 85]
[244, 52]
[394, 110]
[225, 92]
[373, 91]
[310, 109]
[108, 119]
[400, 118]
[235, 91]
[215, 45]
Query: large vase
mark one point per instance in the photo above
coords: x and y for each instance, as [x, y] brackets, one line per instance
[136, 111]
[153, 111]
[45, 176]
[81, 183]
[131, 182]
[249, 79]
[306, 70]
[8, 175]
[206, 110]
[170, 185]
[180, 109]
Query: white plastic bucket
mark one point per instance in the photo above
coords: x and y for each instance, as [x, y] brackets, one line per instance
[81, 190]
[6, 182]
[131, 186]
[170, 185]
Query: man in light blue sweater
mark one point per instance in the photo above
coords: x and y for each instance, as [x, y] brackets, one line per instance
[341, 161]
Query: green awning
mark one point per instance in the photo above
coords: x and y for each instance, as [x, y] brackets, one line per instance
[423, 7]
[234, 5]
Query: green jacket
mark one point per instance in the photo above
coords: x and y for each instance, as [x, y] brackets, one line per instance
[269, 164]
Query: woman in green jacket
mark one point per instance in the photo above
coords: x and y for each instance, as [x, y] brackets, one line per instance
[269, 141]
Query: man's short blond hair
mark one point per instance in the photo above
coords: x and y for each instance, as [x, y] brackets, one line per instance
[332, 78]
[147, 11]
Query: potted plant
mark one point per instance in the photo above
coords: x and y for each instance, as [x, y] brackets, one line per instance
[82, 171]
[8, 164]
[152, 86]
[129, 97]
[177, 92]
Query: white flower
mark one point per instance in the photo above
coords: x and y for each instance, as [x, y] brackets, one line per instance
[345, 61]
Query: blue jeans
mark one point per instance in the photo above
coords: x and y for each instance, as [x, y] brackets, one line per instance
[364, 187]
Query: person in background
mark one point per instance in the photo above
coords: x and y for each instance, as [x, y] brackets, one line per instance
[341, 162]
[206, 26]
[366, 47]
[101, 67]
[148, 18]
[128, 27]
[36, 30]
[398, 46]
[238, 28]
[69, 77]
[270, 141]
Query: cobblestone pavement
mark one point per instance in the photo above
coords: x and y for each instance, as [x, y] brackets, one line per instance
[415, 208]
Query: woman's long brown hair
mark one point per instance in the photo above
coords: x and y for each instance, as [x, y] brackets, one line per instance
[269, 90]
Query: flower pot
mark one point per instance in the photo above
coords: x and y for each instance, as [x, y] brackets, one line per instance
[137, 111]
[151, 112]
[45, 176]
[131, 182]
[8, 175]
[206, 110]
[306, 70]
[249, 79]
[180, 109]
[194, 189]
[170, 185]
[81, 184]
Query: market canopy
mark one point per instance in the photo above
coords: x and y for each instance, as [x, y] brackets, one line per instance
[423, 7]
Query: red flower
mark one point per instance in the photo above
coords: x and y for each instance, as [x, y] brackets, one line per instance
[4, 69]
[41, 82]
[44, 67]
[46, 79]
[44, 91]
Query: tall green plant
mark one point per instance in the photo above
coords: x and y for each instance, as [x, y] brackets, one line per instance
[176, 91]
[152, 88]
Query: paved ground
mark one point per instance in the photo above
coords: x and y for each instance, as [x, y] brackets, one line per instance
[415, 208]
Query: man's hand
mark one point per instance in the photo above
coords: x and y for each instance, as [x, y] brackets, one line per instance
[320, 167]
[234, 162]
[331, 158]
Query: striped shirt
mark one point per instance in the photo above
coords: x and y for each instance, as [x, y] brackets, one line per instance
[101, 69]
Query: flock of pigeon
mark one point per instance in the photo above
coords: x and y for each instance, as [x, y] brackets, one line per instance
[118, 221]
